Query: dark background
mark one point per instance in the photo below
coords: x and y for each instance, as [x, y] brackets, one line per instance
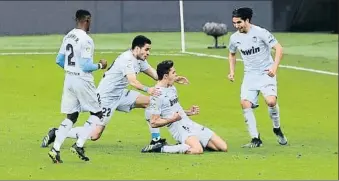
[57, 17]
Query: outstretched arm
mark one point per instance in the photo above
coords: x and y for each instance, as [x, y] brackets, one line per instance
[194, 110]
[132, 79]
[151, 72]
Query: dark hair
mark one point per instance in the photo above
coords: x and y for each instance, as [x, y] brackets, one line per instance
[140, 41]
[243, 13]
[164, 68]
[82, 14]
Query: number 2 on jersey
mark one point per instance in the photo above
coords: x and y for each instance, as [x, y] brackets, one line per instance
[70, 56]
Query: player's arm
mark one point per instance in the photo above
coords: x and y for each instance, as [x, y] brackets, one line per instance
[132, 78]
[272, 42]
[60, 59]
[194, 110]
[278, 54]
[232, 62]
[151, 72]
[232, 59]
[156, 121]
[148, 70]
[86, 58]
[87, 65]
[154, 110]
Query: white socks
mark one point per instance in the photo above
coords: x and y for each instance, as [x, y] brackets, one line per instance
[251, 122]
[61, 133]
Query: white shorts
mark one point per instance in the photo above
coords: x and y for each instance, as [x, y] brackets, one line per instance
[79, 96]
[253, 84]
[125, 103]
[182, 130]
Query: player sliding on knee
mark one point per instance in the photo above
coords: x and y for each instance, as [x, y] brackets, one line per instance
[114, 95]
[255, 44]
[165, 110]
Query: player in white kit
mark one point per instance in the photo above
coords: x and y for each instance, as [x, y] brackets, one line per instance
[113, 92]
[255, 44]
[76, 58]
[165, 110]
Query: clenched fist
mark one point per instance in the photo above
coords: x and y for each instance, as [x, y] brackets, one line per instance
[103, 63]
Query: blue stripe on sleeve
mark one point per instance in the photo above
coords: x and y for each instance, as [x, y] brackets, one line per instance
[87, 65]
[60, 60]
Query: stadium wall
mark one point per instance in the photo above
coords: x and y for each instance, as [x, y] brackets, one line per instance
[56, 17]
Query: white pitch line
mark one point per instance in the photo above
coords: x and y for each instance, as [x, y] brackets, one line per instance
[283, 66]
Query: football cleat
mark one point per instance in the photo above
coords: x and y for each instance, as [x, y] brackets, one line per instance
[79, 151]
[282, 140]
[255, 142]
[153, 148]
[55, 156]
[49, 138]
[162, 141]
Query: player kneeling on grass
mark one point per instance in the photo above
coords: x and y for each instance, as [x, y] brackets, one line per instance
[165, 110]
[114, 94]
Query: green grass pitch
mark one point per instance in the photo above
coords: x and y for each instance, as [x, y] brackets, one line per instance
[30, 104]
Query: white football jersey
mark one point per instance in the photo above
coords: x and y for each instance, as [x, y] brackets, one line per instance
[255, 48]
[75, 46]
[115, 80]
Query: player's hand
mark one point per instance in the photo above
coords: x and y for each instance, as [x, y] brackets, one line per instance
[103, 63]
[153, 91]
[231, 77]
[176, 117]
[195, 110]
[272, 72]
[182, 80]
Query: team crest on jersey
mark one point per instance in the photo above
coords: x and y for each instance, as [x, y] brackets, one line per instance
[254, 39]
[153, 104]
[129, 65]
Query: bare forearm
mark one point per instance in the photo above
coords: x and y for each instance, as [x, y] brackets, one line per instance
[232, 62]
[151, 72]
[154, 74]
[188, 112]
[136, 84]
[156, 123]
[278, 56]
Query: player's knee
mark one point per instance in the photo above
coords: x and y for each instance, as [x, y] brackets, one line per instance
[245, 104]
[97, 132]
[271, 102]
[99, 114]
[195, 151]
[73, 117]
[95, 136]
[223, 147]
[145, 105]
